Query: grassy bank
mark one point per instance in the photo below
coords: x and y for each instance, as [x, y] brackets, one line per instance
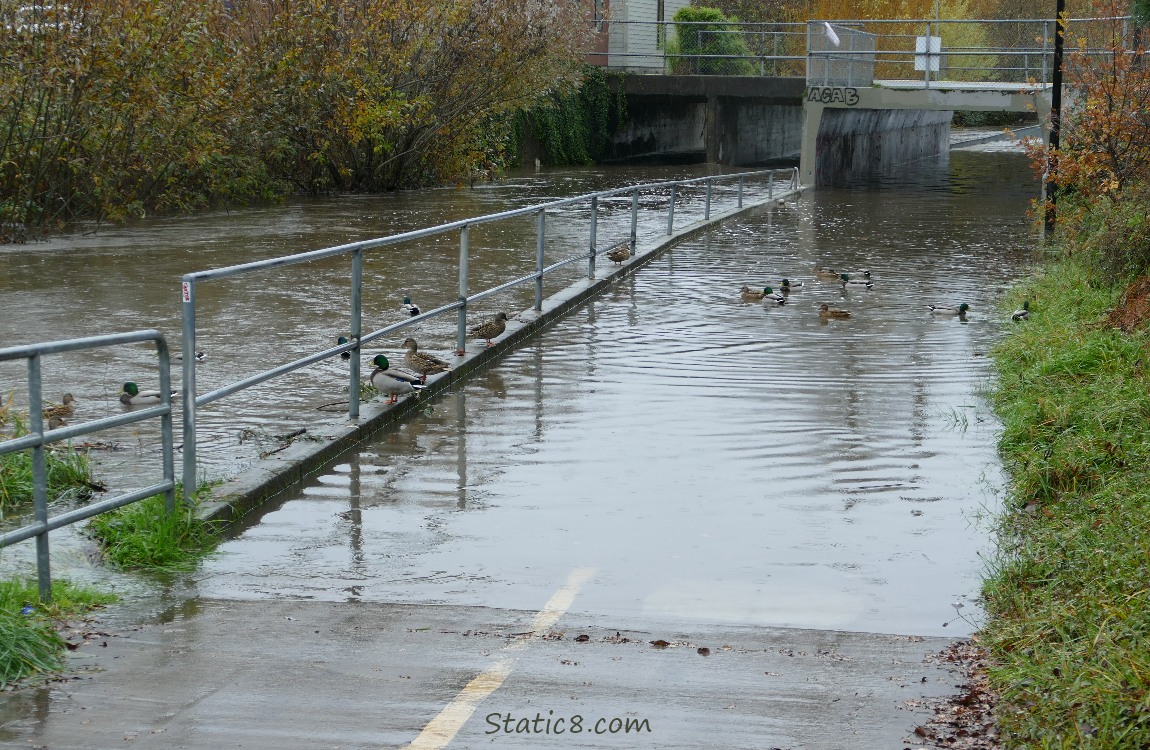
[1069, 627]
[29, 641]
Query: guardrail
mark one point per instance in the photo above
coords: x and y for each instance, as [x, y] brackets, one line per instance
[992, 50]
[357, 338]
[38, 438]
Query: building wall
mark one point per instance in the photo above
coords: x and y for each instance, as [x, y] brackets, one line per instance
[634, 35]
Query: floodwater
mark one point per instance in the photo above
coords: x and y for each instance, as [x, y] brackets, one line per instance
[712, 460]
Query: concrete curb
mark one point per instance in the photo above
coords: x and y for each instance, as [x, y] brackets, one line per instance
[231, 501]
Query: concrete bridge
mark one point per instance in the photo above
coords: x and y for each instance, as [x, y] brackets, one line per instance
[870, 97]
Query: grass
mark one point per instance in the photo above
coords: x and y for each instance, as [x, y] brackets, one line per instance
[29, 642]
[69, 473]
[144, 535]
[1068, 596]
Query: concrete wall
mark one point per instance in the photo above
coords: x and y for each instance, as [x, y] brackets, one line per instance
[730, 120]
[854, 143]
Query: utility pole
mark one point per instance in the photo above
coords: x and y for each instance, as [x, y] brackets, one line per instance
[1055, 111]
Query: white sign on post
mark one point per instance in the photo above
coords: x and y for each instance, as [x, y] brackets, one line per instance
[927, 53]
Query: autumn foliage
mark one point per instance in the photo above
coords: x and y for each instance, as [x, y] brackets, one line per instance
[1102, 169]
[115, 108]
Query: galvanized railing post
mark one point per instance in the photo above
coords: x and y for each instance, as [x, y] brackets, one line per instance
[1045, 49]
[794, 178]
[356, 332]
[461, 327]
[39, 476]
[740, 191]
[634, 220]
[671, 213]
[707, 209]
[188, 388]
[771, 186]
[594, 232]
[166, 440]
[540, 233]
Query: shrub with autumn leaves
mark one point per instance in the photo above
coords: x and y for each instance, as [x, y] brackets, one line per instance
[113, 108]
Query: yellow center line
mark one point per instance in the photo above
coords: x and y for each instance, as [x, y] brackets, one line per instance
[441, 730]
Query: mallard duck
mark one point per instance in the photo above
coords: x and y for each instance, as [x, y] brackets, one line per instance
[944, 310]
[750, 295]
[134, 396]
[55, 422]
[790, 286]
[392, 382]
[199, 356]
[63, 409]
[826, 312]
[620, 252]
[411, 308]
[424, 364]
[848, 281]
[826, 274]
[1022, 313]
[343, 355]
[771, 297]
[490, 329]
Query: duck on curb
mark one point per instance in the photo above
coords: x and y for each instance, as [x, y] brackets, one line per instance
[490, 329]
[422, 363]
[394, 383]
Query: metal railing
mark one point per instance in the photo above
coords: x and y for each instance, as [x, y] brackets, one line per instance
[991, 50]
[1017, 51]
[37, 439]
[357, 338]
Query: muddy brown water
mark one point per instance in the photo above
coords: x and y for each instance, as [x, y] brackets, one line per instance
[711, 459]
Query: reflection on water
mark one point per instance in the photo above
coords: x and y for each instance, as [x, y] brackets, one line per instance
[711, 459]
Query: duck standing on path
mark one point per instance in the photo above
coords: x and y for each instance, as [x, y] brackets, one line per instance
[133, 396]
[826, 312]
[424, 364]
[63, 409]
[490, 329]
[392, 382]
[1022, 313]
[960, 311]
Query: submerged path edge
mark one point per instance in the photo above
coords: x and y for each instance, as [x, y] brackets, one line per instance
[254, 487]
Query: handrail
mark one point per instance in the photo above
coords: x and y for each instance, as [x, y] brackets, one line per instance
[358, 337]
[38, 439]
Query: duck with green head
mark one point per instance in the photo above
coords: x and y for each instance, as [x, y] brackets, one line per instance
[772, 298]
[394, 383]
[848, 282]
[133, 396]
[790, 286]
[959, 311]
[1023, 313]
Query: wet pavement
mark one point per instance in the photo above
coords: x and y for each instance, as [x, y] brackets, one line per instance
[806, 493]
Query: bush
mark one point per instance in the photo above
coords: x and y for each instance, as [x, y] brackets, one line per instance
[707, 31]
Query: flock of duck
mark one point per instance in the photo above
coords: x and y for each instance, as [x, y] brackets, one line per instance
[394, 382]
[768, 296]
